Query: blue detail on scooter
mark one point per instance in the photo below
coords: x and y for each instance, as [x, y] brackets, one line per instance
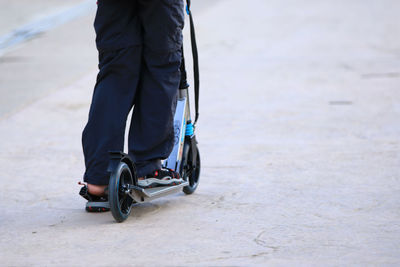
[189, 129]
[187, 10]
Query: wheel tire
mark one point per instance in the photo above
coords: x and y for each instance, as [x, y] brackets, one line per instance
[188, 171]
[120, 202]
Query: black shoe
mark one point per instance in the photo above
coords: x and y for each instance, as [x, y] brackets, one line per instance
[95, 203]
[163, 177]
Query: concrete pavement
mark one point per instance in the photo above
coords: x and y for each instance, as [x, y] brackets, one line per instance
[299, 136]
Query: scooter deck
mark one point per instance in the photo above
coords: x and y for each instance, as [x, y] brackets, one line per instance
[140, 195]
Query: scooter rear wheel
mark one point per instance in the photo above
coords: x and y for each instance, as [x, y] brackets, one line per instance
[120, 201]
[190, 170]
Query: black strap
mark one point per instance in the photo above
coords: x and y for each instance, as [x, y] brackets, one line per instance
[195, 61]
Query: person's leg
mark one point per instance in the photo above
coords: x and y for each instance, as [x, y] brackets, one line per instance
[151, 136]
[119, 44]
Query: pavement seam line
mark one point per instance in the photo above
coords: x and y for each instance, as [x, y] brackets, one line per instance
[39, 26]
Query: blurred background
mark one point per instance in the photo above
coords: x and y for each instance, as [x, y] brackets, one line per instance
[299, 134]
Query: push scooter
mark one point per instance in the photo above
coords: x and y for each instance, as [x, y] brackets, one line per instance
[123, 190]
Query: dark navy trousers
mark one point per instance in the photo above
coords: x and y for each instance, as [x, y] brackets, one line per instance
[139, 44]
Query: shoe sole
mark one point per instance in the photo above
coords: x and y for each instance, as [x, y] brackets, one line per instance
[97, 206]
[154, 182]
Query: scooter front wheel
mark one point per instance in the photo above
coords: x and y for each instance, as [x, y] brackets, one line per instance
[120, 201]
[190, 170]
